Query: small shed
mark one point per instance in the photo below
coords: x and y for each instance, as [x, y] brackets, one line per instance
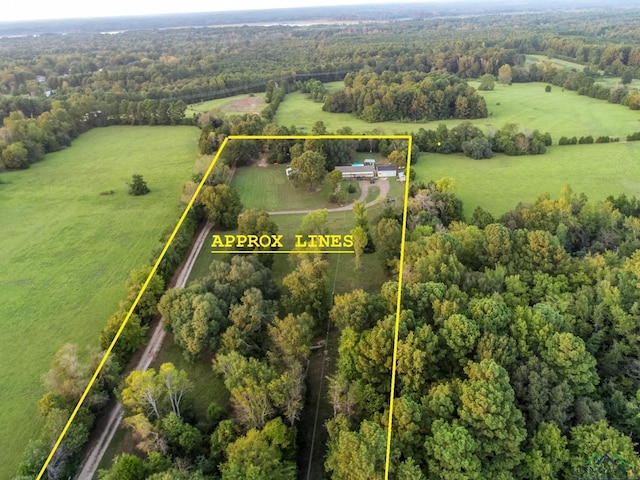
[386, 171]
[357, 171]
[370, 161]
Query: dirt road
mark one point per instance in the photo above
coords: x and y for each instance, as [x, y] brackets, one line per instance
[97, 451]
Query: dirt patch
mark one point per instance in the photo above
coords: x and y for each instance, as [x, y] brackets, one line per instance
[245, 105]
[261, 162]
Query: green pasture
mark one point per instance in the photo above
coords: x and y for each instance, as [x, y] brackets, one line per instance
[561, 113]
[498, 184]
[67, 251]
[235, 104]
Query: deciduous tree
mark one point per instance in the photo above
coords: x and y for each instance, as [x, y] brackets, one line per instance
[222, 205]
[309, 170]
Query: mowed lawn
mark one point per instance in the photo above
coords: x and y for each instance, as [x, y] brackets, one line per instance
[498, 184]
[561, 113]
[268, 188]
[67, 250]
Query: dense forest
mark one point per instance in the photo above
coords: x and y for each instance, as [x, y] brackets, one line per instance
[518, 341]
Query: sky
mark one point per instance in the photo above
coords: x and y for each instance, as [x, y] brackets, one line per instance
[48, 9]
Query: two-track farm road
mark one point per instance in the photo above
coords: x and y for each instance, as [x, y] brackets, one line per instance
[98, 449]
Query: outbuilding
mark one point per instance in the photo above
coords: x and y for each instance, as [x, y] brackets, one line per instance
[387, 171]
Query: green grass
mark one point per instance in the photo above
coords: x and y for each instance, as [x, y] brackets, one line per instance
[235, 104]
[555, 61]
[562, 113]
[612, 81]
[498, 184]
[67, 251]
[268, 188]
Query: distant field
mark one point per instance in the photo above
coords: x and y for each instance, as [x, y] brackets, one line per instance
[244, 103]
[299, 111]
[611, 81]
[562, 113]
[498, 184]
[556, 61]
[67, 250]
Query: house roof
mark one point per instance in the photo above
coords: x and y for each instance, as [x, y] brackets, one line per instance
[387, 168]
[362, 169]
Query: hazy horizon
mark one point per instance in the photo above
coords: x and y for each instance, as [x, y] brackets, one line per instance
[39, 10]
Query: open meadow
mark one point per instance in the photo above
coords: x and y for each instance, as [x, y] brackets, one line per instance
[498, 184]
[561, 113]
[67, 251]
[238, 104]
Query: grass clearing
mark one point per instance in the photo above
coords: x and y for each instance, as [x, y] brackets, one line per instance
[268, 188]
[562, 113]
[498, 184]
[70, 249]
[238, 104]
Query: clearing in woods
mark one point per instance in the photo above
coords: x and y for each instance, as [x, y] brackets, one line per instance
[239, 104]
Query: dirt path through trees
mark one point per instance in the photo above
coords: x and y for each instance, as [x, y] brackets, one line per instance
[97, 450]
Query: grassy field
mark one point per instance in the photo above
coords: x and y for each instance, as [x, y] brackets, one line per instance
[555, 61]
[498, 184]
[244, 103]
[67, 251]
[268, 188]
[562, 113]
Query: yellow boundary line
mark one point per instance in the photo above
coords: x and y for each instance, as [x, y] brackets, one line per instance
[175, 231]
[398, 305]
[267, 252]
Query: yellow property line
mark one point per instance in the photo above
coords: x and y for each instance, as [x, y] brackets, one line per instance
[398, 304]
[318, 137]
[269, 252]
[175, 231]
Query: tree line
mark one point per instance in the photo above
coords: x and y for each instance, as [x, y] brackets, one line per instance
[407, 96]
